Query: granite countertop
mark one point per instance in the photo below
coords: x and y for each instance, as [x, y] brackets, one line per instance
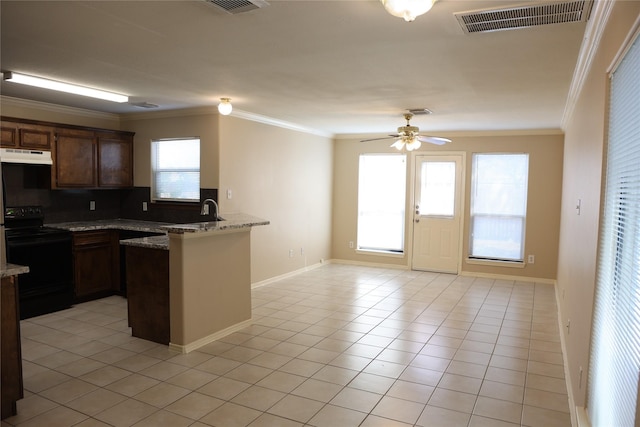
[112, 224]
[231, 221]
[7, 270]
[152, 242]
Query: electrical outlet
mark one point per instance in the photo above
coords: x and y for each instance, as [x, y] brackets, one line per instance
[290, 253]
[351, 244]
[92, 205]
[205, 209]
[144, 206]
[531, 259]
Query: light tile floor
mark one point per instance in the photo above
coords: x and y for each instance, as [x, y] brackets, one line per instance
[336, 346]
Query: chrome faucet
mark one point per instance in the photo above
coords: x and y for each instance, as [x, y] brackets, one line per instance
[205, 210]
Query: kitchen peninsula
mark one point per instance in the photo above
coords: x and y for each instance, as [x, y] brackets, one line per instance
[209, 278]
[189, 286]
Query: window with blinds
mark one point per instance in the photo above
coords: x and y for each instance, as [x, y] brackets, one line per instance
[381, 202]
[175, 168]
[615, 348]
[498, 206]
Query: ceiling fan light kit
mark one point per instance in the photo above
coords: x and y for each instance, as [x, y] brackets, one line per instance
[410, 138]
[407, 9]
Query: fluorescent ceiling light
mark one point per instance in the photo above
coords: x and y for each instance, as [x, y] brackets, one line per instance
[63, 87]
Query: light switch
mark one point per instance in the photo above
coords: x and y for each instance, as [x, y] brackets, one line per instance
[229, 193]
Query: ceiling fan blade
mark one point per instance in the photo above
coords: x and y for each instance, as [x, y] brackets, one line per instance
[434, 140]
[377, 139]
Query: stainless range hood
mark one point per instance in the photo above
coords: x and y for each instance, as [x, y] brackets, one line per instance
[31, 157]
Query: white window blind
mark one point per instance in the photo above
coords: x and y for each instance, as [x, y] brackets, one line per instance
[381, 202]
[175, 165]
[615, 348]
[498, 206]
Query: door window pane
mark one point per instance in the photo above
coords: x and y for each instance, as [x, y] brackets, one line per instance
[438, 189]
[381, 202]
[498, 206]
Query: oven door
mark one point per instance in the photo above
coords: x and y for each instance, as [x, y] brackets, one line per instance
[48, 286]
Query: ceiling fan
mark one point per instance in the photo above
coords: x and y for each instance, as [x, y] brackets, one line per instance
[409, 137]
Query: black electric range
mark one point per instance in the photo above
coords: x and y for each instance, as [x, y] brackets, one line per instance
[48, 286]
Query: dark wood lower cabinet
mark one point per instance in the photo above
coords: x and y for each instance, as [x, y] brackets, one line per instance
[148, 293]
[10, 347]
[96, 264]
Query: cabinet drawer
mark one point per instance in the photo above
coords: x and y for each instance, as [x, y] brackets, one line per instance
[91, 238]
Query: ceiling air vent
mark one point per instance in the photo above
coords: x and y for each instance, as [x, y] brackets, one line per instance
[238, 6]
[524, 16]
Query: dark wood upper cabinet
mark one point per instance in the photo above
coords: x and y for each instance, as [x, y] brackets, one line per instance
[74, 160]
[115, 160]
[26, 135]
[82, 157]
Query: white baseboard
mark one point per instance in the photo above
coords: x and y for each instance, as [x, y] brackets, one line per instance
[287, 275]
[369, 264]
[575, 420]
[582, 417]
[210, 338]
[508, 277]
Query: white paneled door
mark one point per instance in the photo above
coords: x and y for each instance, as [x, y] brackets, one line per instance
[437, 213]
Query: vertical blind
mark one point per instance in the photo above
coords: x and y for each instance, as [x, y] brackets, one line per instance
[615, 348]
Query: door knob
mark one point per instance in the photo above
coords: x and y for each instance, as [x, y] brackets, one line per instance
[417, 219]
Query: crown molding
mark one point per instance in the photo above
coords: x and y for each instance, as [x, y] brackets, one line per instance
[590, 44]
[465, 133]
[278, 123]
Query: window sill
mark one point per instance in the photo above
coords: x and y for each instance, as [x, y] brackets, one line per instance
[381, 253]
[495, 263]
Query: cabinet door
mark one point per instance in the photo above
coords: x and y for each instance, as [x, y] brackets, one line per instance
[8, 134]
[35, 137]
[75, 160]
[95, 264]
[11, 352]
[115, 161]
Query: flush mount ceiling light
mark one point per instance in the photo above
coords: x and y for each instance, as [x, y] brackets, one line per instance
[225, 106]
[408, 9]
[24, 79]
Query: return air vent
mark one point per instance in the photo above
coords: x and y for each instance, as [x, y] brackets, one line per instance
[238, 6]
[524, 16]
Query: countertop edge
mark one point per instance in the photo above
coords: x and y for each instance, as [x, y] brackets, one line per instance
[232, 221]
[8, 270]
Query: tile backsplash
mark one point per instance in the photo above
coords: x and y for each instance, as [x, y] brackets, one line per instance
[26, 185]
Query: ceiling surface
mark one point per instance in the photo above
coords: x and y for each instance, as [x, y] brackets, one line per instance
[333, 67]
